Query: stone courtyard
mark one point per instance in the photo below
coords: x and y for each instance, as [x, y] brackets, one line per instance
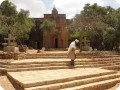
[50, 70]
[37, 36]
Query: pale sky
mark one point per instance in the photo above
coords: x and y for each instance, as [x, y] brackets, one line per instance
[38, 8]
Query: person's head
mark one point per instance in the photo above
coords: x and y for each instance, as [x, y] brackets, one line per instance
[76, 41]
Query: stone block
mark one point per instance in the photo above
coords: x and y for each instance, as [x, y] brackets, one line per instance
[11, 49]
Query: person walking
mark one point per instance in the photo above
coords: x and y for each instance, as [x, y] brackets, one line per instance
[71, 51]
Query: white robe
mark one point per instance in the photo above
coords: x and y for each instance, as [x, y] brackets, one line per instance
[71, 50]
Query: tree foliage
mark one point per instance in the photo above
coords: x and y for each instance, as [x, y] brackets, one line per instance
[96, 23]
[17, 22]
[48, 25]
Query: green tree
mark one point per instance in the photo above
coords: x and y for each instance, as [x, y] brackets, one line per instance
[9, 14]
[17, 22]
[23, 25]
[109, 39]
[97, 23]
[89, 23]
[117, 27]
[8, 9]
[47, 26]
[112, 19]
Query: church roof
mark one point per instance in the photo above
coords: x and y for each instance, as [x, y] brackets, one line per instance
[54, 11]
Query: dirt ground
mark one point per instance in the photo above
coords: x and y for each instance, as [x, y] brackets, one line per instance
[5, 83]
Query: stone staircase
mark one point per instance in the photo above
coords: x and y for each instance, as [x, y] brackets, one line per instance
[59, 61]
[92, 83]
[64, 55]
[112, 63]
[98, 81]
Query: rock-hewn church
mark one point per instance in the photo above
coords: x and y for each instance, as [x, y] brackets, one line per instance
[55, 38]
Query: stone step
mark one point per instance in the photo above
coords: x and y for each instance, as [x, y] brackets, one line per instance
[2, 69]
[37, 65]
[3, 66]
[77, 61]
[99, 60]
[42, 64]
[101, 85]
[35, 57]
[45, 64]
[25, 79]
[65, 56]
[5, 62]
[54, 66]
[113, 67]
[73, 83]
[36, 68]
[100, 63]
[57, 62]
[90, 66]
[105, 66]
[65, 53]
[38, 62]
[49, 67]
[61, 55]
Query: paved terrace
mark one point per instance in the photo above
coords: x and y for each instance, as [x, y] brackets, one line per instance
[32, 78]
[46, 75]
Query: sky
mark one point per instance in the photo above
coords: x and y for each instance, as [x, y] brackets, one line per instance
[38, 8]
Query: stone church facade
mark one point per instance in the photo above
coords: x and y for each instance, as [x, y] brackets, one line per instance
[55, 38]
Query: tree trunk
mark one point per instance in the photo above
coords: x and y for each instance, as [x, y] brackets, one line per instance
[80, 44]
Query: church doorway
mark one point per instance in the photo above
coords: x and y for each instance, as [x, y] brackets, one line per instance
[56, 42]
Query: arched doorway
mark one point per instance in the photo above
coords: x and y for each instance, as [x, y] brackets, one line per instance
[56, 40]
